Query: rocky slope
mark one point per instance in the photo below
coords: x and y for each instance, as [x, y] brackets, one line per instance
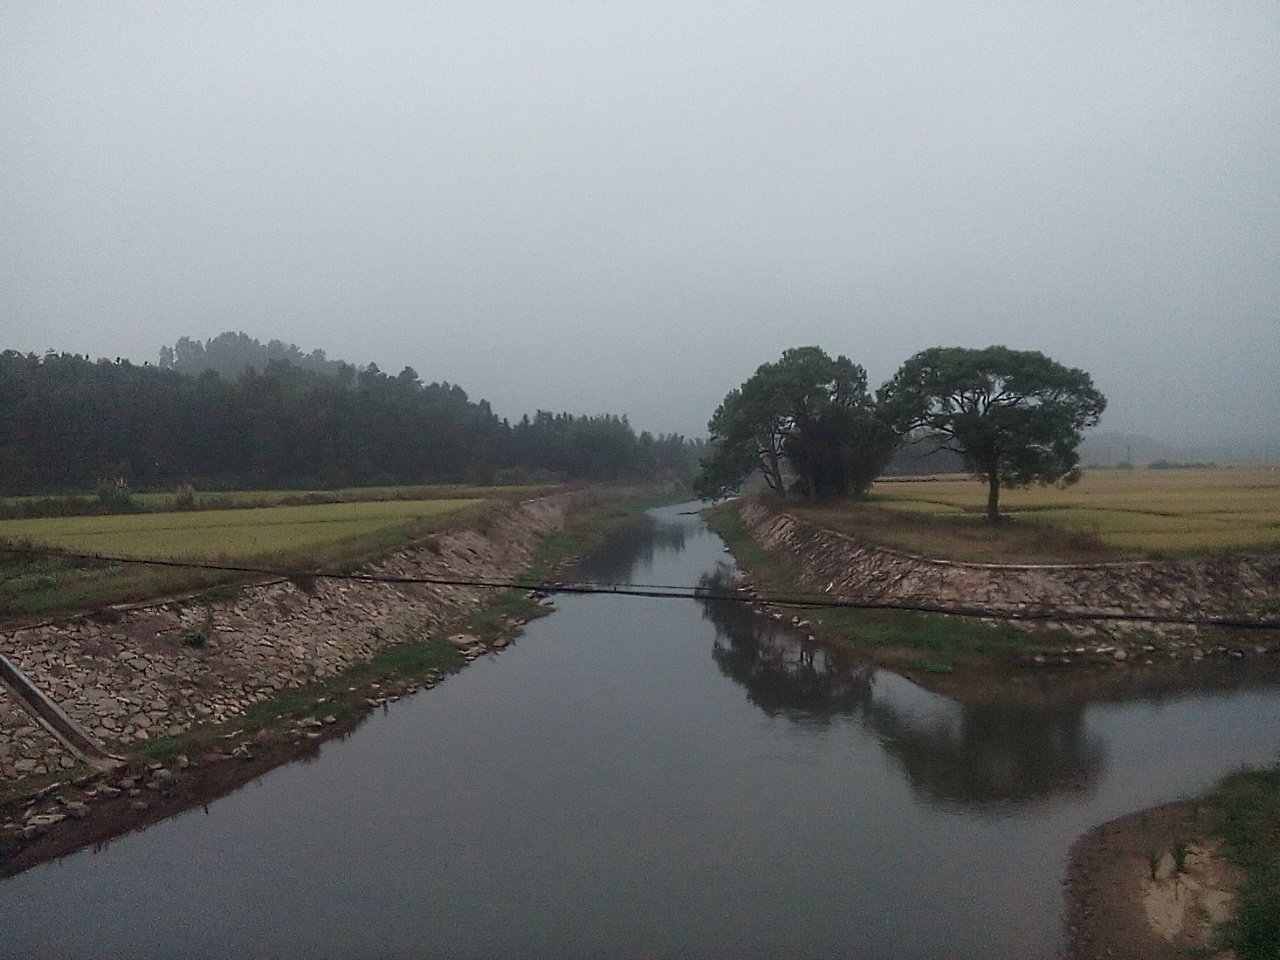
[1245, 587]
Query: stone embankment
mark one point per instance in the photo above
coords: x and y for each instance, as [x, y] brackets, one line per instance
[126, 676]
[1237, 587]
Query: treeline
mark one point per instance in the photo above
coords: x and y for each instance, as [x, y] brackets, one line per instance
[67, 423]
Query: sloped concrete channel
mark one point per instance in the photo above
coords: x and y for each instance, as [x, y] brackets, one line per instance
[1226, 587]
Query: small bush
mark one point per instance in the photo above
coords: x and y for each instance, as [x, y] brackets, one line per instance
[194, 638]
[115, 496]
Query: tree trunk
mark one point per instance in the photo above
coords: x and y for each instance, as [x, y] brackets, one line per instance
[993, 496]
[773, 474]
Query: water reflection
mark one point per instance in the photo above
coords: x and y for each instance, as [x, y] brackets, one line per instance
[990, 758]
[982, 757]
[636, 545]
[784, 672]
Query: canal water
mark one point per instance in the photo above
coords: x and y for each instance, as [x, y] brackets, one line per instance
[650, 778]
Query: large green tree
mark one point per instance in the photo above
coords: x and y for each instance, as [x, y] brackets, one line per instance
[808, 411]
[1015, 416]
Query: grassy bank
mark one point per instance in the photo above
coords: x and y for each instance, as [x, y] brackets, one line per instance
[1151, 883]
[921, 641]
[1247, 808]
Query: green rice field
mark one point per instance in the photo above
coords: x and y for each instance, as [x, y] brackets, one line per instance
[229, 534]
[1223, 508]
[309, 536]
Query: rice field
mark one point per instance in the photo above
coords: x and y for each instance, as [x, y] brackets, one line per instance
[244, 534]
[1144, 510]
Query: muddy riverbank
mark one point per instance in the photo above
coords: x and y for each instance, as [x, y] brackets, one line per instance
[1150, 886]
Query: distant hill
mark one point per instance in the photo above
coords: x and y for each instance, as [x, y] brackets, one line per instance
[923, 456]
[229, 354]
[1109, 449]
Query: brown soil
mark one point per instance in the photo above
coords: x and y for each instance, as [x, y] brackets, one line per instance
[1115, 908]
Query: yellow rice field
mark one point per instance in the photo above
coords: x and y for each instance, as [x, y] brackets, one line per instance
[1223, 508]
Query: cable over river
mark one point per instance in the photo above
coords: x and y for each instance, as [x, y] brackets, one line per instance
[639, 777]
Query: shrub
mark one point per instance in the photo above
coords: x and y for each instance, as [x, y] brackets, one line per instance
[115, 496]
[185, 497]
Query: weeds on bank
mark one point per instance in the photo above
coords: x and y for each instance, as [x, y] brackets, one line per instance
[1153, 863]
[1180, 851]
[933, 642]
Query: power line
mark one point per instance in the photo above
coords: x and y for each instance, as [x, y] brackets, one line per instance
[803, 601]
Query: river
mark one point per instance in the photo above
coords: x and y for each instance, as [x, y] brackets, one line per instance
[640, 777]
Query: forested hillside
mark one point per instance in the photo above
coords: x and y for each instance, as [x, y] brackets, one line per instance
[69, 422]
[229, 354]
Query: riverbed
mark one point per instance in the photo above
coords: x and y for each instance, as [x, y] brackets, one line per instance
[651, 778]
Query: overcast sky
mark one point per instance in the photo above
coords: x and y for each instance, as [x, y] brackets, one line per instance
[627, 207]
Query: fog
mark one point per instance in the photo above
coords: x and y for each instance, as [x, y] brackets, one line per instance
[628, 207]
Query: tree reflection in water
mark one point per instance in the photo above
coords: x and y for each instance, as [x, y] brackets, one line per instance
[784, 672]
[992, 757]
[984, 758]
[634, 546]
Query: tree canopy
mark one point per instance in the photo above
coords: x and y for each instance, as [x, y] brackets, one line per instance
[1015, 416]
[806, 410]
